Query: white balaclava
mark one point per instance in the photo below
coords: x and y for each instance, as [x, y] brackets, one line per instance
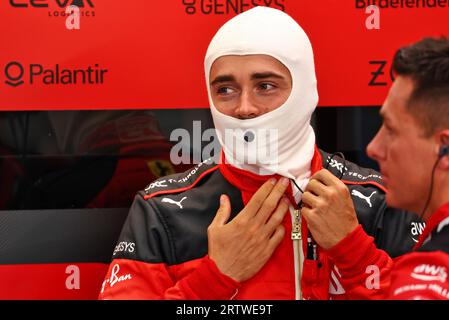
[269, 32]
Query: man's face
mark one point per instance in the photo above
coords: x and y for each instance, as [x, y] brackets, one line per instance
[246, 87]
[404, 154]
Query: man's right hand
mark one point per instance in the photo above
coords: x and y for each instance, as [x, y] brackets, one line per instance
[241, 247]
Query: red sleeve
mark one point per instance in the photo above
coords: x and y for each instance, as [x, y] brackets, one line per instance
[195, 280]
[420, 276]
[364, 269]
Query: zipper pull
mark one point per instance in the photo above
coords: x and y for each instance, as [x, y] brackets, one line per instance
[296, 227]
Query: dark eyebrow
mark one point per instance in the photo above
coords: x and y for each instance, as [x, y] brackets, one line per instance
[265, 75]
[223, 78]
[254, 76]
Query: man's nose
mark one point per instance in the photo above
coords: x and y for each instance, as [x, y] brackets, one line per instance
[374, 148]
[246, 108]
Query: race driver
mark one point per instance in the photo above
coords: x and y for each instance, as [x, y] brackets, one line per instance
[234, 230]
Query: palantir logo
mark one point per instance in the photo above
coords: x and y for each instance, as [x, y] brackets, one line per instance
[37, 73]
[14, 72]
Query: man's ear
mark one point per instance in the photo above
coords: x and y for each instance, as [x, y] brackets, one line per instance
[443, 149]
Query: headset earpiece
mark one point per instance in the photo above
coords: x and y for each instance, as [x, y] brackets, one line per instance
[444, 151]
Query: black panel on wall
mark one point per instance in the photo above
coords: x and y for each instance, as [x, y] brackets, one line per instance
[99, 159]
[347, 130]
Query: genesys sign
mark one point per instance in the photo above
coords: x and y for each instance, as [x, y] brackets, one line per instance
[149, 54]
[211, 7]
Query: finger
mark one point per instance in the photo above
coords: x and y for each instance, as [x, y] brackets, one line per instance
[326, 178]
[311, 218]
[258, 199]
[277, 217]
[310, 200]
[272, 201]
[276, 238]
[224, 212]
[316, 187]
[312, 221]
[335, 186]
[307, 214]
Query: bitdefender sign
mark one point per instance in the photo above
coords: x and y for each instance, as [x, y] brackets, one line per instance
[17, 74]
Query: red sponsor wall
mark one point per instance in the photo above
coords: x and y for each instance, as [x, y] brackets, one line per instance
[149, 54]
[61, 281]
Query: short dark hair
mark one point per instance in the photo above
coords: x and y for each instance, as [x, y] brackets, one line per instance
[427, 63]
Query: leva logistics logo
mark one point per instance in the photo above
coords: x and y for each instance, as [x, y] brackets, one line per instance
[56, 8]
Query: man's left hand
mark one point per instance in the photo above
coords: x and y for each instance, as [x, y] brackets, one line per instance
[328, 209]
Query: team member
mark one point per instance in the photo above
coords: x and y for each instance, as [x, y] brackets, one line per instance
[412, 148]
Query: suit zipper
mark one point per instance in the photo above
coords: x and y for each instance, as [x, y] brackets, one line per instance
[296, 227]
[296, 237]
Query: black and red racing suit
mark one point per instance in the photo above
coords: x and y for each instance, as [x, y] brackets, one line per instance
[162, 250]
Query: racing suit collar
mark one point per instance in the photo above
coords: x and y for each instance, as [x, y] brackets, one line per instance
[250, 182]
[436, 218]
